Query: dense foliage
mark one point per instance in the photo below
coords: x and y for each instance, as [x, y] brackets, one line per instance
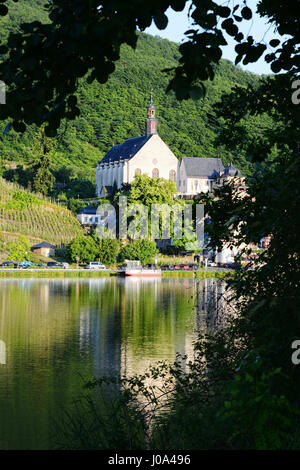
[108, 251]
[44, 62]
[19, 249]
[90, 248]
[114, 111]
[242, 389]
[82, 247]
[143, 250]
[147, 191]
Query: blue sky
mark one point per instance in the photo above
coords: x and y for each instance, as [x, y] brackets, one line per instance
[179, 23]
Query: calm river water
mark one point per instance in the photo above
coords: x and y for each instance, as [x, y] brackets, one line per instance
[54, 334]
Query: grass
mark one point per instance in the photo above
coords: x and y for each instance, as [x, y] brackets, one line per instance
[43, 273]
[109, 420]
[197, 274]
[175, 259]
[15, 273]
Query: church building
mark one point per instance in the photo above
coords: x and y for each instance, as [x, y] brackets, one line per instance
[150, 155]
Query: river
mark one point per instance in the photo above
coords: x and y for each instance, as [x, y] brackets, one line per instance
[57, 333]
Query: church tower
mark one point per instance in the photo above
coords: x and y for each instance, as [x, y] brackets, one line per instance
[151, 121]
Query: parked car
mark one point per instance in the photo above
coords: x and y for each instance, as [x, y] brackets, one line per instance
[193, 266]
[54, 264]
[9, 264]
[165, 267]
[211, 263]
[177, 266]
[25, 264]
[95, 265]
[170, 267]
[185, 267]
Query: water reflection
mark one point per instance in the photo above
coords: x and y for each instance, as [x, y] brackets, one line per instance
[55, 331]
[2, 352]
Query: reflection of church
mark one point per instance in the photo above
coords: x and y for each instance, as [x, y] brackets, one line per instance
[147, 320]
[148, 154]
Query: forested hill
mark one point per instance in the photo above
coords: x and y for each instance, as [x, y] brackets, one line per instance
[116, 111]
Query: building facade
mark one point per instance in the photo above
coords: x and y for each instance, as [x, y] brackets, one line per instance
[44, 249]
[88, 216]
[198, 175]
[150, 155]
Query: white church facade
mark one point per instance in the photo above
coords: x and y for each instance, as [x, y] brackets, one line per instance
[149, 155]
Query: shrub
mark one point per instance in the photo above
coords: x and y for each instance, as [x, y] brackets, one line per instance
[19, 249]
[111, 421]
[84, 247]
[143, 250]
[108, 250]
[21, 200]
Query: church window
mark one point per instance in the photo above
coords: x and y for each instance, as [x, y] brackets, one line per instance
[155, 173]
[172, 175]
[137, 171]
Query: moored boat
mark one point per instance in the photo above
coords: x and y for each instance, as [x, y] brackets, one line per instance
[134, 268]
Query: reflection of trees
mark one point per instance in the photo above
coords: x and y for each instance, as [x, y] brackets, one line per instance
[134, 322]
[38, 321]
[127, 321]
[212, 303]
[35, 314]
[54, 329]
[155, 316]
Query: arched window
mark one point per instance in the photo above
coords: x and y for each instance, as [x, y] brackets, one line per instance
[172, 175]
[137, 171]
[155, 173]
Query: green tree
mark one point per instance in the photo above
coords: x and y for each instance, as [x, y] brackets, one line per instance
[84, 247]
[188, 127]
[62, 197]
[84, 39]
[107, 250]
[43, 178]
[149, 191]
[143, 250]
[19, 249]
[267, 300]
[75, 205]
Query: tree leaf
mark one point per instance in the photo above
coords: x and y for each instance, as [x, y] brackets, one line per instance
[160, 20]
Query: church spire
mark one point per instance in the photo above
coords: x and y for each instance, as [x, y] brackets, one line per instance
[151, 121]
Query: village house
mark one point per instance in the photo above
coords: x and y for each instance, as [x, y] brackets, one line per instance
[44, 249]
[88, 216]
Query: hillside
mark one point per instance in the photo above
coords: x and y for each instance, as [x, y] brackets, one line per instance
[22, 212]
[115, 111]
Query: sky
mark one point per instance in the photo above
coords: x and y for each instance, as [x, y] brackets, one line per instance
[257, 27]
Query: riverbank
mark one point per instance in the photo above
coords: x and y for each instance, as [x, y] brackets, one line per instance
[80, 273]
[203, 274]
[51, 273]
